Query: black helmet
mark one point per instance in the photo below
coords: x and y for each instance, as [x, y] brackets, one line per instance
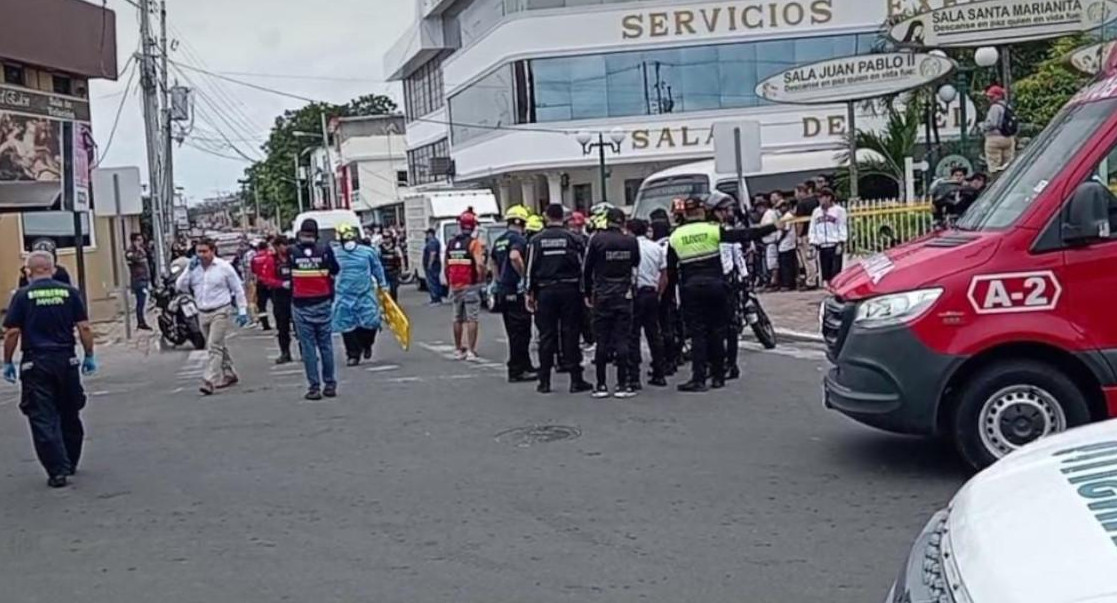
[718, 200]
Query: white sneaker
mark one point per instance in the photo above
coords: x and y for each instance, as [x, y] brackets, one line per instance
[459, 355]
[600, 392]
[624, 393]
[470, 356]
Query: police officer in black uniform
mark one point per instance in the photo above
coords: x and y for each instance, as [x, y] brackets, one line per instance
[608, 272]
[43, 317]
[694, 254]
[509, 260]
[555, 296]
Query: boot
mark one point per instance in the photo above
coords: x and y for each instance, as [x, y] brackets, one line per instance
[284, 358]
[264, 324]
[693, 386]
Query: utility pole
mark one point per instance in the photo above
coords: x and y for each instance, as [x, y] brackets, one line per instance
[152, 128]
[331, 194]
[168, 151]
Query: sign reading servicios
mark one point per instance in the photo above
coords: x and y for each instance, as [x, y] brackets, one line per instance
[854, 78]
[997, 22]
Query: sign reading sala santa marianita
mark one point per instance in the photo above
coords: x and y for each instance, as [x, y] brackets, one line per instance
[854, 78]
[998, 22]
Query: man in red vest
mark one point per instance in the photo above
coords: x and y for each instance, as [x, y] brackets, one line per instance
[465, 275]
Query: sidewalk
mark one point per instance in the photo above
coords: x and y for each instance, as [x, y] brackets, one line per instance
[795, 313]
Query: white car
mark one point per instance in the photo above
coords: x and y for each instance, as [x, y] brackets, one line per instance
[1039, 526]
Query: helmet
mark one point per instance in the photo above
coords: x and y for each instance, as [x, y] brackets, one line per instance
[347, 232]
[534, 224]
[577, 219]
[718, 200]
[517, 213]
[467, 221]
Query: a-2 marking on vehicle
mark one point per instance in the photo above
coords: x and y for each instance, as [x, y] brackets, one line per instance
[1013, 292]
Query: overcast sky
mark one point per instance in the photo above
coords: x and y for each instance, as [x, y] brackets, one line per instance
[340, 39]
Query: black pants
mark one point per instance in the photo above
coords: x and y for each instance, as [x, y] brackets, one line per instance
[668, 325]
[559, 320]
[789, 269]
[517, 325]
[645, 317]
[612, 328]
[263, 294]
[281, 309]
[704, 310]
[358, 341]
[733, 329]
[393, 285]
[52, 399]
[829, 262]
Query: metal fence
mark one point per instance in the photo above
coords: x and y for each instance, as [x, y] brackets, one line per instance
[878, 224]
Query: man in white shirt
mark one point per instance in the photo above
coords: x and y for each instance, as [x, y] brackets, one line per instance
[787, 246]
[771, 251]
[651, 283]
[736, 272]
[217, 289]
[829, 232]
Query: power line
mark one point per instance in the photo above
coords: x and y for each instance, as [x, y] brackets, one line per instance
[116, 120]
[216, 154]
[249, 84]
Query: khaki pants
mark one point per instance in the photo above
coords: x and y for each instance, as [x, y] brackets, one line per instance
[215, 326]
[999, 151]
[808, 261]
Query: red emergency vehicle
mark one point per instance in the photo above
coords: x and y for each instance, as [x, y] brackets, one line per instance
[1003, 329]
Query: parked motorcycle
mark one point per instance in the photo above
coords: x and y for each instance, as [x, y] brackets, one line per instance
[178, 314]
[752, 314]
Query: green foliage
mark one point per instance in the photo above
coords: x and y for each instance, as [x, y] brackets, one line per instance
[275, 175]
[891, 145]
[1039, 96]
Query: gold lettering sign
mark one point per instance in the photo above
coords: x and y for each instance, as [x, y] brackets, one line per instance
[671, 138]
[730, 18]
[907, 8]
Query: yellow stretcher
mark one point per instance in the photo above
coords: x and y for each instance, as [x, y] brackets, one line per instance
[395, 319]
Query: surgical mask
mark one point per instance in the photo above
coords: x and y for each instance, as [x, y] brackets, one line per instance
[349, 245]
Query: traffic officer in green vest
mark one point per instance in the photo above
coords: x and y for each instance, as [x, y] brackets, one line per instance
[694, 258]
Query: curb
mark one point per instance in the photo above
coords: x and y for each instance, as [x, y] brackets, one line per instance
[802, 336]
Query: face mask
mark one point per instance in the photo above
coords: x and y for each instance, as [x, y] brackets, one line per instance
[350, 245]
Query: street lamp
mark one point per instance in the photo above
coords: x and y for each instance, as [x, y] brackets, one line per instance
[616, 137]
[985, 57]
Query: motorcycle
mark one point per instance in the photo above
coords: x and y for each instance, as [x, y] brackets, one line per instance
[178, 314]
[751, 314]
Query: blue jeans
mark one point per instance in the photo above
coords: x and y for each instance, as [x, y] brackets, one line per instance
[140, 291]
[434, 285]
[314, 329]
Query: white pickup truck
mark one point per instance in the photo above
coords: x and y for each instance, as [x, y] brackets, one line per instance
[440, 210]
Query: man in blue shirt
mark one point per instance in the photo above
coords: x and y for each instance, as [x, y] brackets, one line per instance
[509, 263]
[43, 316]
[432, 264]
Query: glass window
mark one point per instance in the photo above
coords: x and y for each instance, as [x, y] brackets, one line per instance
[419, 163]
[1024, 179]
[631, 187]
[62, 84]
[423, 91]
[55, 225]
[13, 74]
[483, 107]
[660, 194]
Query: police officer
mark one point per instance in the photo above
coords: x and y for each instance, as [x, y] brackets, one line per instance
[555, 296]
[509, 260]
[694, 254]
[736, 274]
[43, 316]
[610, 260]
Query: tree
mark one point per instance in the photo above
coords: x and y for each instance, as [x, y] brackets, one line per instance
[1039, 96]
[892, 144]
[275, 175]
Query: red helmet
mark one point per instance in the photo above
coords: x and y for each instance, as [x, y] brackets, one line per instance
[577, 219]
[467, 221]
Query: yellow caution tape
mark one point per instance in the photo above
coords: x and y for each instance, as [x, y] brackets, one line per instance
[396, 320]
[886, 211]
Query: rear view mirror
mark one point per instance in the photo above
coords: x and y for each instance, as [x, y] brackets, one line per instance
[1086, 216]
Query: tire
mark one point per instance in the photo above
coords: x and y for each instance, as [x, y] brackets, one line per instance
[1042, 399]
[763, 329]
[195, 335]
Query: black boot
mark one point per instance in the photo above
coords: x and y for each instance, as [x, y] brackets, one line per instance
[734, 373]
[284, 358]
[544, 386]
[580, 386]
[264, 324]
[693, 386]
[351, 361]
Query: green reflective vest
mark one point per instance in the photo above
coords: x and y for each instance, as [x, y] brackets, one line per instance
[697, 241]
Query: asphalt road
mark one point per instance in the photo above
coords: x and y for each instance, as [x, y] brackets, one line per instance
[404, 488]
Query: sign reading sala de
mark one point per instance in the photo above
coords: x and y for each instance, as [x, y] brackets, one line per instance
[854, 78]
[998, 22]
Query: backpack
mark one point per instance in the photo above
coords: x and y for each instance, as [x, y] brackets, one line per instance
[1010, 123]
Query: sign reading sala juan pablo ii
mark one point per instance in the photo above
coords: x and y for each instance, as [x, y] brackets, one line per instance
[997, 22]
[854, 78]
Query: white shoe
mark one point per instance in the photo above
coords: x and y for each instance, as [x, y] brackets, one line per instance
[625, 393]
[600, 392]
[459, 355]
[470, 356]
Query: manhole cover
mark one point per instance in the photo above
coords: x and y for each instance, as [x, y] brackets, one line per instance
[522, 437]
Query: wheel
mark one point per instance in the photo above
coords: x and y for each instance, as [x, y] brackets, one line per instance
[407, 278]
[195, 335]
[1011, 403]
[763, 329]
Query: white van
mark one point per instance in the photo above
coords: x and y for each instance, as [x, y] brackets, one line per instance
[1038, 526]
[328, 221]
[782, 171]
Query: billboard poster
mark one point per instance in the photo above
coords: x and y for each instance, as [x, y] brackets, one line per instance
[1089, 59]
[1000, 22]
[38, 133]
[854, 78]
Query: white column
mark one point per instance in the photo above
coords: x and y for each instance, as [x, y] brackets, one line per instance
[527, 188]
[554, 187]
[504, 195]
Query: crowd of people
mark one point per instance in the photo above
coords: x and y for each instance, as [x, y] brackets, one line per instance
[808, 250]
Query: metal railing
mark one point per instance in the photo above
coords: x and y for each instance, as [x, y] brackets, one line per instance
[878, 224]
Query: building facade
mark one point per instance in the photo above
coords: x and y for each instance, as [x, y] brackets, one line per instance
[496, 90]
[49, 51]
[373, 176]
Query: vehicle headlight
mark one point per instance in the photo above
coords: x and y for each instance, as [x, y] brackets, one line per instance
[888, 310]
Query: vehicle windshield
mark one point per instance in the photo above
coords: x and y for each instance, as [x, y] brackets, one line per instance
[1023, 181]
[659, 194]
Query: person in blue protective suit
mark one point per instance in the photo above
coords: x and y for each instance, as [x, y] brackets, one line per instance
[357, 310]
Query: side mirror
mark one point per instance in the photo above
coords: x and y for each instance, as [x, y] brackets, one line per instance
[1086, 216]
